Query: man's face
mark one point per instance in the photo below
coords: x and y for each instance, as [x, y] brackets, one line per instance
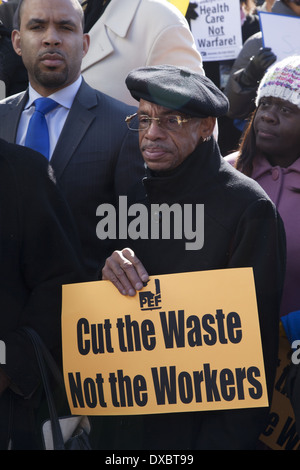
[51, 43]
[163, 149]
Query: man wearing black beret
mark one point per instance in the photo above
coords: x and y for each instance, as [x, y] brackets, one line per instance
[175, 120]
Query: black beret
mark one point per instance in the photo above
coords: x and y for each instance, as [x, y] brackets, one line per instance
[177, 88]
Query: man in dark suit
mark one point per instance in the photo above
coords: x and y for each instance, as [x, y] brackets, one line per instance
[94, 156]
[39, 251]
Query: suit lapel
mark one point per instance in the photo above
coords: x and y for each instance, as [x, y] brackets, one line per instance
[76, 126]
[118, 21]
[9, 126]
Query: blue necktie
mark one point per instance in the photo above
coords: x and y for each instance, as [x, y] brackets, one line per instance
[37, 136]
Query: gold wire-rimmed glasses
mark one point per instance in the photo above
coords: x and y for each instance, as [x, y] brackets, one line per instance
[142, 122]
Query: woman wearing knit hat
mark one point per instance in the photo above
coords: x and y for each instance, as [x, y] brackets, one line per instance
[251, 64]
[270, 154]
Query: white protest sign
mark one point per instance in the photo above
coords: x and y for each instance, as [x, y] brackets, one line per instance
[286, 40]
[217, 30]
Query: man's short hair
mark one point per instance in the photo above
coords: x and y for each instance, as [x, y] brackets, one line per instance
[18, 12]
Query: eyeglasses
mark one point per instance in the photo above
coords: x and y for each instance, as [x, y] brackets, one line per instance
[142, 122]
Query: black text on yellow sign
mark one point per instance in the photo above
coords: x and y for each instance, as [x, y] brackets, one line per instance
[181, 344]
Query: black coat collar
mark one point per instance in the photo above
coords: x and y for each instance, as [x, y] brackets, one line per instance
[193, 174]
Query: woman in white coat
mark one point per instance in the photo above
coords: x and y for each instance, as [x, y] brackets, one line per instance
[134, 33]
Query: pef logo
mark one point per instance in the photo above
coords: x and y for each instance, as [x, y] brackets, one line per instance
[2, 352]
[151, 300]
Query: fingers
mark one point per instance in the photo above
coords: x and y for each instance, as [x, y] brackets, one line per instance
[266, 57]
[125, 271]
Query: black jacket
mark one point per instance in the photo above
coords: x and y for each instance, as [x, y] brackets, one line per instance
[39, 252]
[241, 229]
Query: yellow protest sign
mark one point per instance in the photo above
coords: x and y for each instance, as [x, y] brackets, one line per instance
[182, 5]
[280, 432]
[186, 342]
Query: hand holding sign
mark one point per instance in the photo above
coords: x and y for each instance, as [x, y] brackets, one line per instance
[257, 67]
[125, 271]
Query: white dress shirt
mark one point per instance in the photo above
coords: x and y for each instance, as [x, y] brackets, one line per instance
[55, 119]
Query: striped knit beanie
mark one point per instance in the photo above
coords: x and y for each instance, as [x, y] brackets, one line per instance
[282, 80]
